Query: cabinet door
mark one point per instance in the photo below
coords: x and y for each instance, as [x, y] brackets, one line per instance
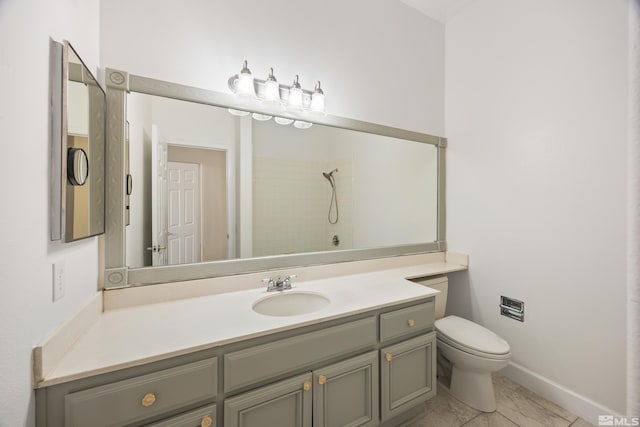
[203, 417]
[408, 374]
[346, 394]
[284, 404]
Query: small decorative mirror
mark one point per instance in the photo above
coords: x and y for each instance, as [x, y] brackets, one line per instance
[78, 117]
[77, 166]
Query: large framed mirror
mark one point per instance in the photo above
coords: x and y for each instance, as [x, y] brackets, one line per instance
[216, 194]
[78, 129]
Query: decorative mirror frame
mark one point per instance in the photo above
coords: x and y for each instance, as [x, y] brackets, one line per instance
[119, 275]
[62, 173]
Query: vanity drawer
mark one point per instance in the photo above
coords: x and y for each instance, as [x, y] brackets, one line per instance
[245, 367]
[203, 417]
[141, 397]
[407, 320]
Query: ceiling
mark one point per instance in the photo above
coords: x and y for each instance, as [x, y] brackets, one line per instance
[440, 10]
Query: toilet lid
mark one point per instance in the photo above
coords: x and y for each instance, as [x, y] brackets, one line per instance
[471, 335]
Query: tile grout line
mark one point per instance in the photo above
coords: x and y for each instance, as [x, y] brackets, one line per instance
[468, 421]
[508, 418]
[543, 408]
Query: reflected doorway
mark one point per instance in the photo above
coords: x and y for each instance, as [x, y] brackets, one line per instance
[198, 229]
[183, 227]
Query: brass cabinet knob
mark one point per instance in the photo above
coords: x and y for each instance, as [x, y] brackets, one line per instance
[411, 322]
[206, 421]
[148, 400]
[322, 380]
[306, 386]
[389, 357]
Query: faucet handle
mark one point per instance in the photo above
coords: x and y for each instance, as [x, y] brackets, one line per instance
[271, 285]
[286, 283]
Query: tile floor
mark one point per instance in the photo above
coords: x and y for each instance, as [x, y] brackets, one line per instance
[517, 406]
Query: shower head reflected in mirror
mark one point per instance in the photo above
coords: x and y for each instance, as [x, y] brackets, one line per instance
[329, 175]
[334, 196]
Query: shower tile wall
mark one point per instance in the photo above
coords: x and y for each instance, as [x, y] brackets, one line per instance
[290, 205]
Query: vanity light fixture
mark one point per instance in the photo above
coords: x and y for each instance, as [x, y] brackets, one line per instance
[295, 96]
[271, 90]
[317, 100]
[244, 85]
[274, 96]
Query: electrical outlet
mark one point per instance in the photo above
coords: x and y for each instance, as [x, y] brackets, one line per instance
[58, 280]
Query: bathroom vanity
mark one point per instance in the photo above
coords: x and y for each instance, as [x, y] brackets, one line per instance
[367, 359]
[205, 346]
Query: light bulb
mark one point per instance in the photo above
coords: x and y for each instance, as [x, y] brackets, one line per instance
[317, 100]
[271, 90]
[295, 96]
[244, 83]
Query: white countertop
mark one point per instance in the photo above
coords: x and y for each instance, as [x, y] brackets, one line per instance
[132, 336]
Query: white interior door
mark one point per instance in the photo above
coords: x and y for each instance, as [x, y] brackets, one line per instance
[184, 213]
[159, 231]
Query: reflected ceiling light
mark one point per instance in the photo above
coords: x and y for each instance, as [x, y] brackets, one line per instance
[261, 117]
[302, 125]
[317, 100]
[283, 121]
[239, 113]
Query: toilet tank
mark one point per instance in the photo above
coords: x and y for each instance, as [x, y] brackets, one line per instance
[439, 283]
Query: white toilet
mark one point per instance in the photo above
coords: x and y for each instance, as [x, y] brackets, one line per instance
[473, 351]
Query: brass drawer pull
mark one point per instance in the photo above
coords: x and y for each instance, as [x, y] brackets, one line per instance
[148, 400]
[411, 322]
[322, 380]
[306, 386]
[389, 357]
[206, 421]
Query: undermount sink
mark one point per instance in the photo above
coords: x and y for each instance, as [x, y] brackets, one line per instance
[287, 303]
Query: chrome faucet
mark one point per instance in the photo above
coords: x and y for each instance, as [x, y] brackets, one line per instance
[280, 284]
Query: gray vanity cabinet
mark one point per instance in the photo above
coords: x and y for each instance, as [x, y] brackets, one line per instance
[142, 397]
[407, 374]
[366, 370]
[345, 394]
[203, 417]
[284, 404]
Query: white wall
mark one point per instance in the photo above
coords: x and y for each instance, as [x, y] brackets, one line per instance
[378, 61]
[27, 314]
[536, 95]
[394, 184]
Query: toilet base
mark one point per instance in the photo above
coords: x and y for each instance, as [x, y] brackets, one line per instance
[473, 388]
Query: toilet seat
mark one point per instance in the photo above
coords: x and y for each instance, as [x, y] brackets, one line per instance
[472, 338]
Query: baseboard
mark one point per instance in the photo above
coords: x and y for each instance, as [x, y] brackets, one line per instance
[575, 403]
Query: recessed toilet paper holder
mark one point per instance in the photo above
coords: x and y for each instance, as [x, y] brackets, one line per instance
[512, 308]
